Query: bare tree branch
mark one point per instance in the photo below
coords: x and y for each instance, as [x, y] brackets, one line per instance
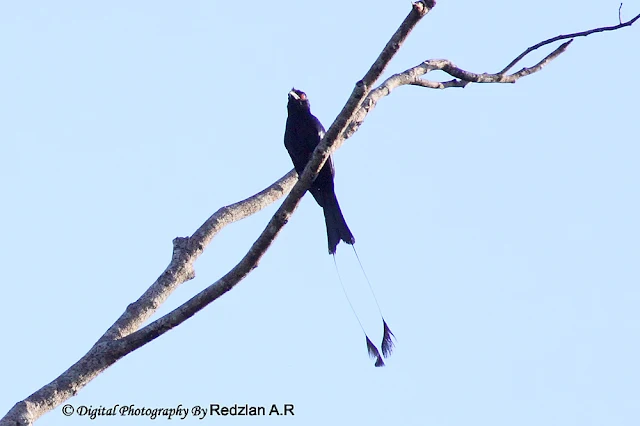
[108, 349]
[187, 250]
[454, 71]
[329, 143]
[121, 339]
[566, 36]
[413, 76]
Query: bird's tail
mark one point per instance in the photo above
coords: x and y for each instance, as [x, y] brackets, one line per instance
[337, 228]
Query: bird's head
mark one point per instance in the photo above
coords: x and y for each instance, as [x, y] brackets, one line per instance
[298, 100]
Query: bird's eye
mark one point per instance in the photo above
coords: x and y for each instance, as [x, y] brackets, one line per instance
[303, 96]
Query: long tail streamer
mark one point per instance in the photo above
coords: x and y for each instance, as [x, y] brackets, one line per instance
[387, 335]
[371, 348]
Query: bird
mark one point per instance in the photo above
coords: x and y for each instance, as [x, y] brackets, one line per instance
[303, 132]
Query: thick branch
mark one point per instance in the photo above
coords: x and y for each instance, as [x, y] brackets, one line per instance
[118, 340]
[187, 250]
[331, 140]
[108, 350]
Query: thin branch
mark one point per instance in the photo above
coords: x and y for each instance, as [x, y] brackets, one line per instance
[454, 71]
[121, 339]
[568, 36]
[412, 76]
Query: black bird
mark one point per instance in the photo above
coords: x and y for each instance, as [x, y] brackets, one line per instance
[302, 134]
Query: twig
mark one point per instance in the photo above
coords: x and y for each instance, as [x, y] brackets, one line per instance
[566, 36]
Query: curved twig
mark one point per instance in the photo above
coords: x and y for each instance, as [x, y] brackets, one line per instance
[620, 13]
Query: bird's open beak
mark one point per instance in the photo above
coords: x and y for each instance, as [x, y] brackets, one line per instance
[294, 95]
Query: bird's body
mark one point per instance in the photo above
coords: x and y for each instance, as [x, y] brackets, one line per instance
[303, 133]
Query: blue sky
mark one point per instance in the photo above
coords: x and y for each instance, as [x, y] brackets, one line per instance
[498, 223]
